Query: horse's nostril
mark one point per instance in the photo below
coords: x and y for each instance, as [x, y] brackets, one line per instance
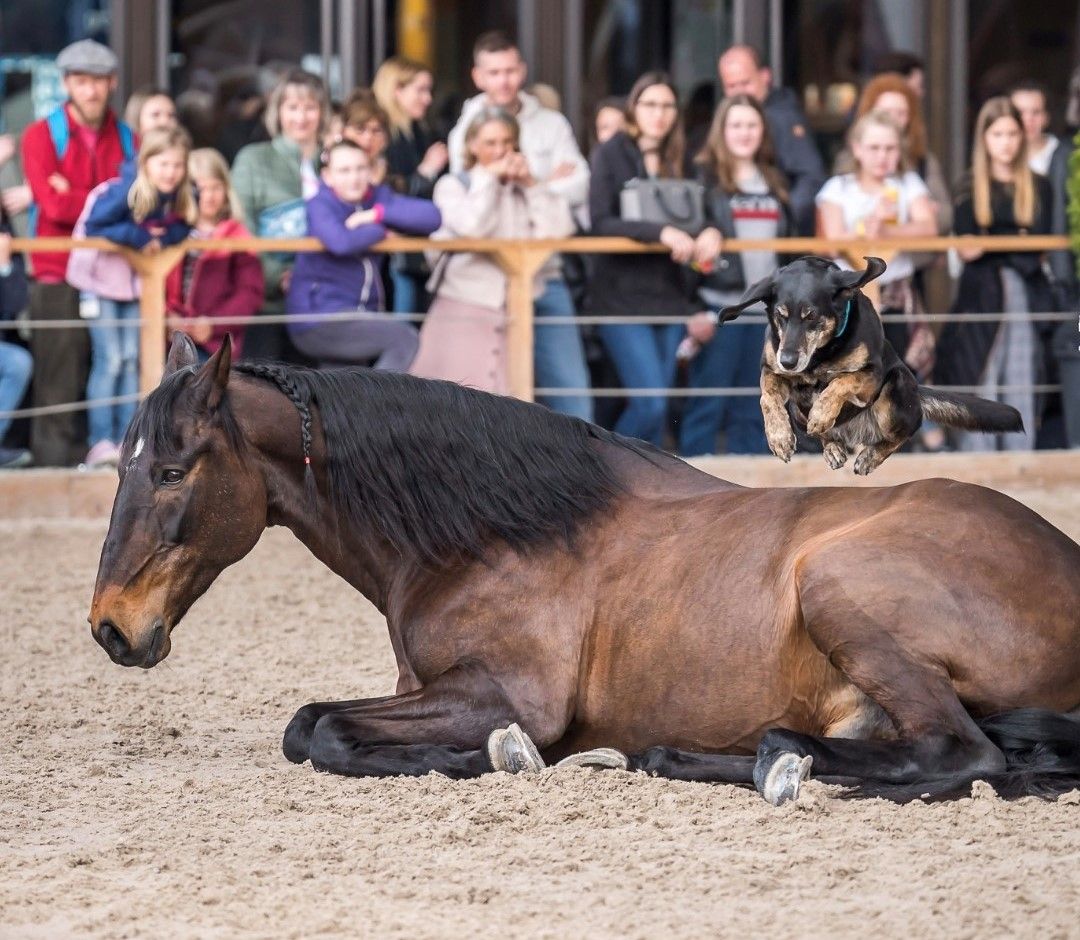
[111, 639]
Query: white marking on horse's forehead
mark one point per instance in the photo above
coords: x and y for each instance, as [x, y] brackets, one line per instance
[135, 453]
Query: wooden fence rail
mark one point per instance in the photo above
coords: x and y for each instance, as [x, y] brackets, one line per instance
[519, 259]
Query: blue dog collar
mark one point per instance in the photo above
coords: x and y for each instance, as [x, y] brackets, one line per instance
[843, 323]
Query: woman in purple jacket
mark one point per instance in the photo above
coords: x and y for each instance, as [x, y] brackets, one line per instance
[349, 215]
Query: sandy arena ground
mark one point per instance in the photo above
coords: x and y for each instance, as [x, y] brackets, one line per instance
[158, 804]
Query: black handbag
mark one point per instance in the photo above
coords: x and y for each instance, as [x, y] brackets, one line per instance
[664, 201]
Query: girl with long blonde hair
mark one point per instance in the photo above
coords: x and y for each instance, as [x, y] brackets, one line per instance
[208, 285]
[999, 196]
[880, 199]
[415, 159]
[148, 208]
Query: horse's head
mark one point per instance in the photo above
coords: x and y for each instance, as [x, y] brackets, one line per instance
[187, 506]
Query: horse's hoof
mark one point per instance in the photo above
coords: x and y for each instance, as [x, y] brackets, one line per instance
[297, 740]
[603, 758]
[511, 750]
[784, 778]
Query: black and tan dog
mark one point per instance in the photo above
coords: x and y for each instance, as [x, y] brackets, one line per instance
[828, 367]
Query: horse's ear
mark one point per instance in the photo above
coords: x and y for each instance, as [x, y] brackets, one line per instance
[213, 378]
[182, 353]
[848, 282]
[756, 292]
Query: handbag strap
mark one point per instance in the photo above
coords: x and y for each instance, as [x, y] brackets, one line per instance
[686, 216]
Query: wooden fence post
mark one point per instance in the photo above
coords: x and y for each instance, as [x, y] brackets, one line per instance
[152, 271]
[521, 262]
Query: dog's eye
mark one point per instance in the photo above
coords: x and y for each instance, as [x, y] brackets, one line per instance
[807, 313]
[781, 312]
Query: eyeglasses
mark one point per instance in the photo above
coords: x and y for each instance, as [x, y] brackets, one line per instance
[375, 130]
[657, 105]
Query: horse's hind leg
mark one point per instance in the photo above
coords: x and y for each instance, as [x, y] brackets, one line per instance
[938, 740]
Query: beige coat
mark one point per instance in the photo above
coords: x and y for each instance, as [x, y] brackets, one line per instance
[464, 334]
[483, 207]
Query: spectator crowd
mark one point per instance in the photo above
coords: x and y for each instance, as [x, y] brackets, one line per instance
[350, 173]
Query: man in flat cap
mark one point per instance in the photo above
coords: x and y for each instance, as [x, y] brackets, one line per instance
[65, 155]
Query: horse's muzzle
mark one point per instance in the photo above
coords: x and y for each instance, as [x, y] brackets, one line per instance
[150, 652]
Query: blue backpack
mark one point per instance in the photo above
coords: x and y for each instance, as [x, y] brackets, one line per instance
[57, 122]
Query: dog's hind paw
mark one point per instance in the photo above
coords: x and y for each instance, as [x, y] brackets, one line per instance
[836, 455]
[868, 460]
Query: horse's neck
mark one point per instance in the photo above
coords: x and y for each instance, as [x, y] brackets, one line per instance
[269, 424]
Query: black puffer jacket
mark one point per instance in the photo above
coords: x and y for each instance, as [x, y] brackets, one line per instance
[630, 285]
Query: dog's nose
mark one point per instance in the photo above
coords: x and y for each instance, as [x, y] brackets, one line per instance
[789, 359]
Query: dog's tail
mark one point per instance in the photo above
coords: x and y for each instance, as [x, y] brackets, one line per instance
[969, 412]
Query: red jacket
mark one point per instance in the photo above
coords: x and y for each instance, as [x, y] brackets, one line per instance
[58, 212]
[224, 284]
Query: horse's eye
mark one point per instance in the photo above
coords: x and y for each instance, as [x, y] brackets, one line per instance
[171, 476]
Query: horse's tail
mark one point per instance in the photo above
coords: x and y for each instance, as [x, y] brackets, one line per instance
[954, 410]
[1042, 758]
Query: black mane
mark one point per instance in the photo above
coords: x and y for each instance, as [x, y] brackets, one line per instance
[438, 470]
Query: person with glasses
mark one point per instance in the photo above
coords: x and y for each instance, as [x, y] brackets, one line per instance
[648, 285]
[368, 126]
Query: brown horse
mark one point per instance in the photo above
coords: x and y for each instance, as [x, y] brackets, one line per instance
[535, 569]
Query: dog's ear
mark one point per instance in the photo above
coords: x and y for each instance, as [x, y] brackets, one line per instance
[847, 282]
[762, 290]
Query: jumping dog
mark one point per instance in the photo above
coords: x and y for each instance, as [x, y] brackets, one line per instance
[828, 367]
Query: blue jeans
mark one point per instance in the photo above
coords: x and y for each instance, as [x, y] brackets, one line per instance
[558, 353]
[16, 365]
[406, 292]
[731, 360]
[644, 357]
[114, 370]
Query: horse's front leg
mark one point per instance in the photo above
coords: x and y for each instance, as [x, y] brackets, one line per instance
[445, 726]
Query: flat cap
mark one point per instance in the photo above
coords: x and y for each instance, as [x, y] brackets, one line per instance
[88, 58]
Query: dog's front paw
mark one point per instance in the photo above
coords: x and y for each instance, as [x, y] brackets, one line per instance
[836, 455]
[781, 442]
[817, 423]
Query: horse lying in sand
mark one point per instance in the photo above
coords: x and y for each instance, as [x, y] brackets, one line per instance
[540, 571]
